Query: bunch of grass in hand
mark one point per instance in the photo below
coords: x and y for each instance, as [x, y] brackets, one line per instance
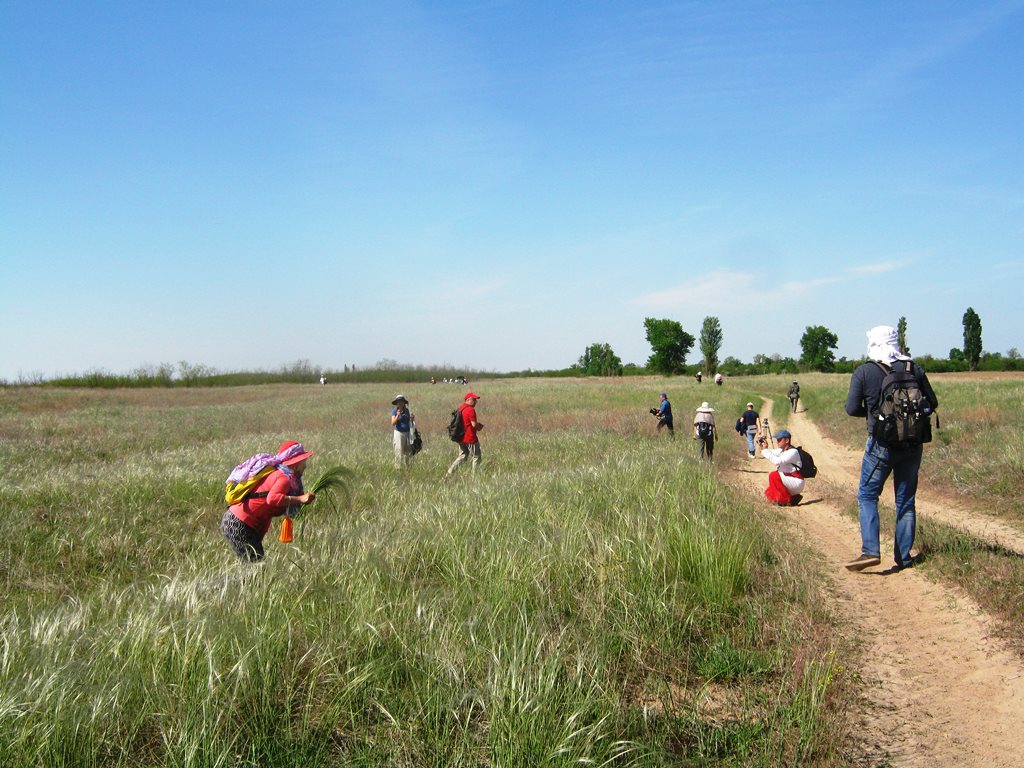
[334, 482]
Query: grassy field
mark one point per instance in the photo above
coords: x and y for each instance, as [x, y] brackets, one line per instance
[593, 596]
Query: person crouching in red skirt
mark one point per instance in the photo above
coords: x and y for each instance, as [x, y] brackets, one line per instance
[785, 484]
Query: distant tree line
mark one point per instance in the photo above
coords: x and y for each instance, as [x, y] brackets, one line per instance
[670, 346]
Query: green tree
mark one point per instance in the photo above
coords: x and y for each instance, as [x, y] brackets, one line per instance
[901, 336]
[972, 339]
[817, 344]
[670, 345]
[599, 360]
[710, 343]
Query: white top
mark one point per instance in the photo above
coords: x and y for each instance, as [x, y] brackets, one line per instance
[786, 460]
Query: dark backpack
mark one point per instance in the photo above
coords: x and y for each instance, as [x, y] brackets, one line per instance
[807, 465]
[456, 426]
[704, 430]
[903, 418]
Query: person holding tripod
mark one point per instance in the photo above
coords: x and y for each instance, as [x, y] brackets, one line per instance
[750, 425]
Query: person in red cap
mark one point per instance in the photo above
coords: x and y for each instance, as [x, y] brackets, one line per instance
[469, 445]
[246, 523]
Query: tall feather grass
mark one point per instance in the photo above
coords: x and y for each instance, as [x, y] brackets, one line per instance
[571, 603]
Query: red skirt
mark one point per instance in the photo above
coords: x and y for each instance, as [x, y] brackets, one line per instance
[777, 492]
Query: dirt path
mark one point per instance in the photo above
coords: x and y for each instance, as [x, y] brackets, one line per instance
[938, 690]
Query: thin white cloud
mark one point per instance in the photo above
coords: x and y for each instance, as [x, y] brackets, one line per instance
[703, 292]
[879, 268]
[812, 284]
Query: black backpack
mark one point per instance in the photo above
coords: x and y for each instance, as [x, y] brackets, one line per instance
[807, 466]
[456, 427]
[903, 418]
[704, 430]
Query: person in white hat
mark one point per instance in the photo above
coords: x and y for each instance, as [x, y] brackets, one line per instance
[704, 429]
[881, 459]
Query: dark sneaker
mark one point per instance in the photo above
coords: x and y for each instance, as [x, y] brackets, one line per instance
[862, 562]
[795, 499]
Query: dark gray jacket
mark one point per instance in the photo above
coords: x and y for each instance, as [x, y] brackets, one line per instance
[866, 391]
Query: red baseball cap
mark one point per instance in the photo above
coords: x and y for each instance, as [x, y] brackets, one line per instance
[469, 395]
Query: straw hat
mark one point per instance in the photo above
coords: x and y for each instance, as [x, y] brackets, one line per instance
[705, 408]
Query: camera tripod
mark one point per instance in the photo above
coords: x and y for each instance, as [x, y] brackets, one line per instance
[766, 439]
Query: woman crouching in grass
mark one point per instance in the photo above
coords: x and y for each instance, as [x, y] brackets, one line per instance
[279, 493]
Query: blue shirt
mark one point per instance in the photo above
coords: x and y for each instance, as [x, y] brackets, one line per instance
[402, 425]
[666, 411]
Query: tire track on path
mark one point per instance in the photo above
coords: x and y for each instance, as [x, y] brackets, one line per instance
[938, 688]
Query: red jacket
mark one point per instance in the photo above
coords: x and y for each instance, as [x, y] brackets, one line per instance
[257, 511]
[468, 419]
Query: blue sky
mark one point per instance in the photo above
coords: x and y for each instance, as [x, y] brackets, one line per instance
[497, 184]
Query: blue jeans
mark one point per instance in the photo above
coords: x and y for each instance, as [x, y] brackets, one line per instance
[879, 462]
[751, 431]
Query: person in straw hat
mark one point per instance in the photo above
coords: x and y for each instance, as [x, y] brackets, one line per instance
[704, 429]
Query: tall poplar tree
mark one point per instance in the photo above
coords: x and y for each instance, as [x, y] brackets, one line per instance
[972, 339]
[710, 343]
[901, 334]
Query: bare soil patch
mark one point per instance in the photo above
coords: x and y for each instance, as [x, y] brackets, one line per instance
[938, 688]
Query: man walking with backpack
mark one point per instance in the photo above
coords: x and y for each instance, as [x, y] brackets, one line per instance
[750, 426]
[793, 393]
[469, 445]
[894, 394]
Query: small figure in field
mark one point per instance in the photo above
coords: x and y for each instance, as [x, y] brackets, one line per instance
[793, 393]
[718, 379]
[246, 523]
[785, 484]
[889, 377]
[323, 380]
[404, 423]
[433, 380]
[469, 443]
[698, 376]
[750, 427]
[664, 414]
[704, 429]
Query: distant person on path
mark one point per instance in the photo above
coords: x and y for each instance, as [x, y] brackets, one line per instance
[246, 523]
[793, 393]
[698, 376]
[469, 445]
[664, 414]
[785, 484]
[402, 420]
[718, 379]
[880, 460]
[749, 418]
[323, 380]
[704, 429]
